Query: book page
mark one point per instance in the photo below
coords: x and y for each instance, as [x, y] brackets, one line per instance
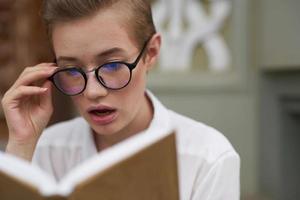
[27, 173]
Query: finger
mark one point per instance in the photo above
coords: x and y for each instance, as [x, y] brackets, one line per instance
[24, 91]
[46, 98]
[42, 65]
[34, 75]
[46, 64]
[39, 67]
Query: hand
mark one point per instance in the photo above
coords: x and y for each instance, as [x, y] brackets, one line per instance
[28, 107]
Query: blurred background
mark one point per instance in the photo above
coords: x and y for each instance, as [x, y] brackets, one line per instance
[232, 64]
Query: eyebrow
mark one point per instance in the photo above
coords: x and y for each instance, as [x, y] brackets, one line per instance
[102, 55]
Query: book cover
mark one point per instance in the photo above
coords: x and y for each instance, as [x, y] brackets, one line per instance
[143, 167]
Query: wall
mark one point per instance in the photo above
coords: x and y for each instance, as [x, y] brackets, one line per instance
[232, 108]
[278, 56]
[272, 44]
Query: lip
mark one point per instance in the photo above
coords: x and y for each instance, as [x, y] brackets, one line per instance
[104, 119]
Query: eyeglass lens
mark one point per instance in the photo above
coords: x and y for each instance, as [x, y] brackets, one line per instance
[112, 75]
[69, 81]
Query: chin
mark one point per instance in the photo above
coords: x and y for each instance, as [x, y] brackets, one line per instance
[107, 130]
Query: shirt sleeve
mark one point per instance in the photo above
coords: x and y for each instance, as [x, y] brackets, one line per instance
[221, 181]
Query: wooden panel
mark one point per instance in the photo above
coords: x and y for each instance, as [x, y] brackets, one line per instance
[3, 134]
[7, 29]
[7, 19]
[23, 42]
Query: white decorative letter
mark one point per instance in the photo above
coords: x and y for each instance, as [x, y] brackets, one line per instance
[180, 42]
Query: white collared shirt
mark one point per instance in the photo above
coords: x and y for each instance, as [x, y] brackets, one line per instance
[209, 166]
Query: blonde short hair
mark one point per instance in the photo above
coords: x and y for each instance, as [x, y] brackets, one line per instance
[138, 14]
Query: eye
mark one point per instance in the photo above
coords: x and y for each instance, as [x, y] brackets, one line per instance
[112, 67]
[72, 72]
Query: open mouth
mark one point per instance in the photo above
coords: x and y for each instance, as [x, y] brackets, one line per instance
[102, 112]
[103, 116]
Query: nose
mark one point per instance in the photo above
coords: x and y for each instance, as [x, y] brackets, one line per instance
[94, 89]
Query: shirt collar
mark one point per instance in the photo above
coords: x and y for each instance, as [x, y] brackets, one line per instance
[160, 121]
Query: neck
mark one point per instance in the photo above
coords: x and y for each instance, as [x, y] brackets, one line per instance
[140, 123]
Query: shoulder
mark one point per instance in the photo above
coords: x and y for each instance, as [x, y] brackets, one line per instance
[194, 139]
[206, 159]
[197, 139]
[64, 132]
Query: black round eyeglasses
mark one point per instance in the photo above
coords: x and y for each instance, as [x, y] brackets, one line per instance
[72, 81]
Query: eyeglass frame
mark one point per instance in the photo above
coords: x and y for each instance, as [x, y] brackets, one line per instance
[131, 67]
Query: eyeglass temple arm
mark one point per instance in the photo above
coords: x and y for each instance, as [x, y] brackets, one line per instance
[51, 77]
[142, 53]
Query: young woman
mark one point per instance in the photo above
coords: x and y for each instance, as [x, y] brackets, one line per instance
[104, 49]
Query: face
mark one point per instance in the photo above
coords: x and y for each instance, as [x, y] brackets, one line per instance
[91, 42]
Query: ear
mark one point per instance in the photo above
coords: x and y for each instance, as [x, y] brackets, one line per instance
[153, 51]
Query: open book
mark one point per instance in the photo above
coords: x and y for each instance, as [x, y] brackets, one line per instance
[143, 167]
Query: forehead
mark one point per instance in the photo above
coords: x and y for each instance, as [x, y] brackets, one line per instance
[92, 34]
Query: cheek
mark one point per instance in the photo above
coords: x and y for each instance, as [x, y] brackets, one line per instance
[139, 76]
[134, 92]
[138, 81]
